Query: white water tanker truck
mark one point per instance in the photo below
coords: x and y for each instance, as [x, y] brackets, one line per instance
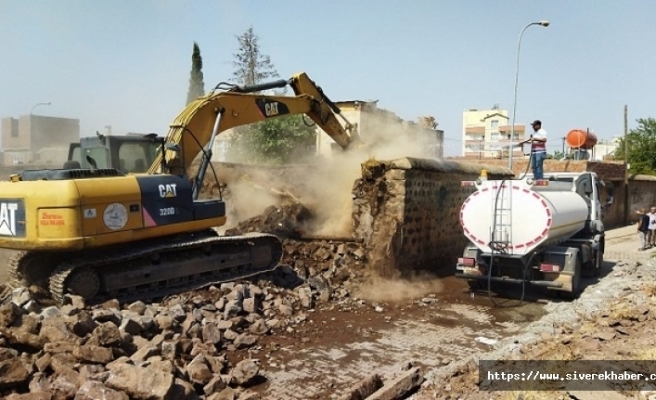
[544, 232]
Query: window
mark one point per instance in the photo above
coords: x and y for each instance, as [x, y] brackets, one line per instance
[494, 136]
[137, 157]
[494, 124]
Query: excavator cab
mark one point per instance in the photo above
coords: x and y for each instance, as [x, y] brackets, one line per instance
[130, 154]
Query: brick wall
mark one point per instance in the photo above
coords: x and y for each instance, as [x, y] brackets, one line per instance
[406, 213]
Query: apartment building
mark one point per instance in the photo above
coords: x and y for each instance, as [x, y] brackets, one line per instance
[486, 133]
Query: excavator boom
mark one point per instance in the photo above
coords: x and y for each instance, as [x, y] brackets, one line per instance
[196, 125]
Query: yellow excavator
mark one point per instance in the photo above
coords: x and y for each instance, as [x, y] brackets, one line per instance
[101, 233]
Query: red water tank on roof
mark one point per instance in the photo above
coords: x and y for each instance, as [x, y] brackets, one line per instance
[581, 139]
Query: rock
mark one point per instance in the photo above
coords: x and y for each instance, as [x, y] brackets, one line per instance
[251, 305]
[178, 313]
[12, 373]
[62, 362]
[146, 322]
[285, 310]
[233, 308]
[225, 394]
[75, 301]
[93, 354]
[20, 296]
[214, 385]
[259, 327]
[106, 334]
[245, 371]
[93, 390]
[164, 321]
[39, 383]
[141, 383]
[129, 325]
[107, 315]
[20, 337]
[50, 312]
[58, 347]
[606, 334]
[216, 363]
[230, 335]
[66, 385]
[198, 371]
[183, 390]
[30, 396]
[249, 396]
[9, 312]
[43, 362]
[144, 353]
[138, 307]
[211, 333]
[224, 324]
[51, 333]
[112, 304]
[84, 324]
[305, 296]
[169, 350]
[245, 340]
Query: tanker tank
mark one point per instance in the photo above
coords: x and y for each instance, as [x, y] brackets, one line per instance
[580, 139]
[526, 218]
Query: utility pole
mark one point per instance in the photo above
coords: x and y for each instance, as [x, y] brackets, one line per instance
[626, 166]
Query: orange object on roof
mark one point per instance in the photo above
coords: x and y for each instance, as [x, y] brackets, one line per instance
[581, 139]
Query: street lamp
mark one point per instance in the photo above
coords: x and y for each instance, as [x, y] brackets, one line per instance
[39, 104]
[512, 127]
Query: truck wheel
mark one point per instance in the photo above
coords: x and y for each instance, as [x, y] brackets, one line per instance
[576, 282]
[475, 285]
[599, 262]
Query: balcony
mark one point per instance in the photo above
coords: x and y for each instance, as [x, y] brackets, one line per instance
[475, 130]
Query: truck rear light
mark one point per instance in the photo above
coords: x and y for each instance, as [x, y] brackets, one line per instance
[467, 183]
[469, 262]
[549, 267]
[541, 182]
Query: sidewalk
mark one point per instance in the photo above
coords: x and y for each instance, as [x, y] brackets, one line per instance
[622, 245]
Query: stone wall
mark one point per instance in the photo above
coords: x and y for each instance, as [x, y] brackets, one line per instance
[406, 213]
[642, 194]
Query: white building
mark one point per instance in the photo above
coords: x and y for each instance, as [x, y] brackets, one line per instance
[486, 133]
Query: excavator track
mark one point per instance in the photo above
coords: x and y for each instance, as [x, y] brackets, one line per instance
[149, 269]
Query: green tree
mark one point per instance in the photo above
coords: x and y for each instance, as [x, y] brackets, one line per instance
[557, 155]
[278, 140]
[641, 147]
[275, 140]
[196, 84]
[251, 66]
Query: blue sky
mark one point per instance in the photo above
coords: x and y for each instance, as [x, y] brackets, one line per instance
[126, 63]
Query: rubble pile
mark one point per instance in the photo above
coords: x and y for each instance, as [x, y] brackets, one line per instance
[284, 222]
[179, 348]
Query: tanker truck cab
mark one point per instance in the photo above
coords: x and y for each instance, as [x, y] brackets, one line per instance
[546, 233]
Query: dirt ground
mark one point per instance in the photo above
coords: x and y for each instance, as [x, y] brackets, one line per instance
[440, 326]
[612, 320]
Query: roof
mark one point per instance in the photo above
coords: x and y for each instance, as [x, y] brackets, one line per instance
[494, 115]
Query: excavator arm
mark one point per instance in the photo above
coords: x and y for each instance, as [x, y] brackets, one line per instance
[195, 129]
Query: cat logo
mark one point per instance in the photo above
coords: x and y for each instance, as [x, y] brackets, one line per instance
[168, 190]
[8, 219]
[271, 109]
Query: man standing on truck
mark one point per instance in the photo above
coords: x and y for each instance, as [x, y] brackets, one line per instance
[538, 141]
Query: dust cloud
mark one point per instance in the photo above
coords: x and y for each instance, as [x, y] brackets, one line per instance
[324, 186]
[378, 289]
